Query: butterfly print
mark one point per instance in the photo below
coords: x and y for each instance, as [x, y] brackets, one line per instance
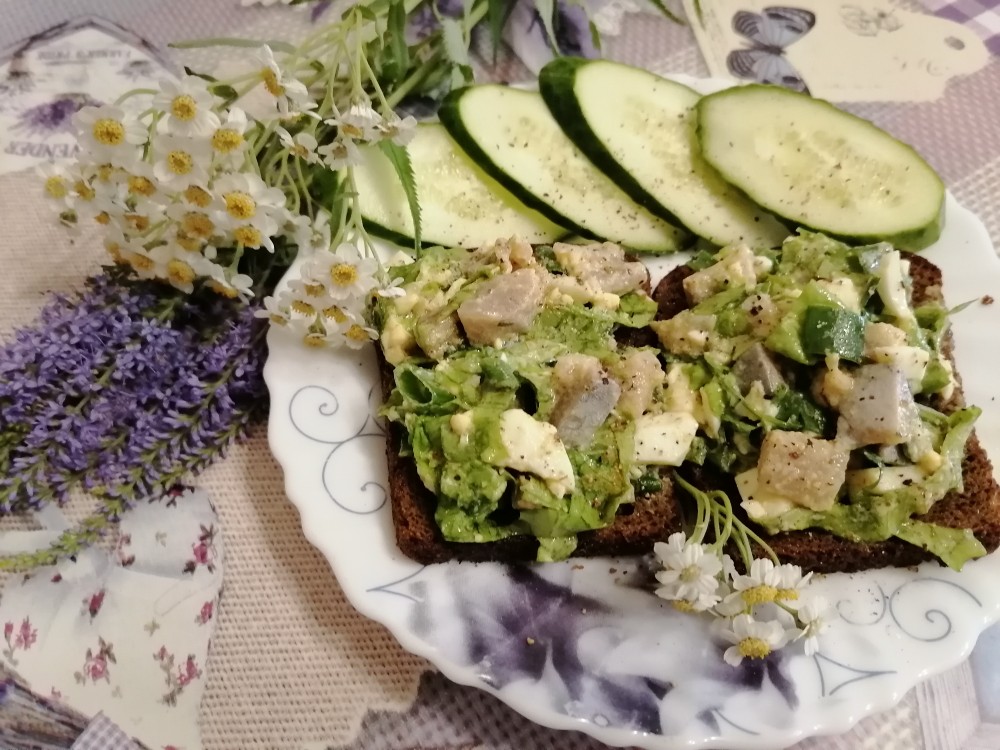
[769, 32]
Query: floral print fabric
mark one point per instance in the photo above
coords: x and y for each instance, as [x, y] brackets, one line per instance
[126, 631]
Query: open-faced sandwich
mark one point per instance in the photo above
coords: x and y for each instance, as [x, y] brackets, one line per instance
[543, 404]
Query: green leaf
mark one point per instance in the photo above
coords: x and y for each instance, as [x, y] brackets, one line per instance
[455, 47]
[547, 11]
[670, 14]
[497, 14]
[400, 159]
[396, 35]
[275, 44]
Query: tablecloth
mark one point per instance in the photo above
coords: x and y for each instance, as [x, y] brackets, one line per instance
[292, 664]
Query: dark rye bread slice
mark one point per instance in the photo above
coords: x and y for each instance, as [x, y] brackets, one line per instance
[652, 517]
[976, 507]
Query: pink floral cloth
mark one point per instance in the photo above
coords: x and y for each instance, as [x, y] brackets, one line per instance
[126, 632]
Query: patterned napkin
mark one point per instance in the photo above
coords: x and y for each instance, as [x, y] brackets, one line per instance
[124, 631]
[981, 16]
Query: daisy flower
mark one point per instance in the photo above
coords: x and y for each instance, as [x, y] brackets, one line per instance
[276, 309]
[812, 615]
[245, 200]
[361, 123]
[345, 273]
[180, 162]
[188, 106]
[109, 136]
[140, 182]
[690, 573]
[236, 285]
[356, 334]
[290, 95]
[311, 234]
[56, 185]
[399, 131]
[339, 153]
[302, 145]
[193, 222]
[752, 639]
[228, 141]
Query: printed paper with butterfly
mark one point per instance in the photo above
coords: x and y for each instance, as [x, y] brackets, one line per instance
[843, 51]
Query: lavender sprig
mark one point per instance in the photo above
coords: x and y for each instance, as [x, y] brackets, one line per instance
[122, 391]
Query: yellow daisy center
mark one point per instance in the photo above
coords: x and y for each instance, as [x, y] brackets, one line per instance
[300, 151]
[357, 333]
[303, 308]
[784, 595]
[335, 313]
[270, 78]
[180, 162]
[760, 595]
[249, 236]
[191, 244]
[226, 141]
[141, 186]
[109, 132]
[278, 320]
[83, 190]
[240, 205]
[198, 196]
[180, 272]
[753, 648]
[224, 289]
[690, 574]
[343, 274]
[138, 222]
[196, 224]
[682, 606]
[313, 290]
[313, 339]
[115, 251]
[351, 131]
[103, 218]
[140, 262]
[55, 187]
[184, 107]
[105, 172]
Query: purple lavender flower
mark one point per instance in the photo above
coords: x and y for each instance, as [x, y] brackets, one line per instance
[123, 390]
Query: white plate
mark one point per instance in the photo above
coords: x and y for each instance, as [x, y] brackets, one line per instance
[583, 645]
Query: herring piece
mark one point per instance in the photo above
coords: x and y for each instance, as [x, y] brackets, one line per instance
[802, 468]
[757, 365]
[585, 395]
[880, 407]
[534, 447]
[757, 503]
[912, 361]
[503, 305]
[664, 439]
[640, 372]
[601, 267]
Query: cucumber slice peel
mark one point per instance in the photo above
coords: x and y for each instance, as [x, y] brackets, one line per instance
[460, 205]
[820, 167]
[511, 135]
[639, 129]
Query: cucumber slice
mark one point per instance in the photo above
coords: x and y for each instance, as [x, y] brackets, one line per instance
[513, 137]
[460, 205]
[820, 167]
[639, 129]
